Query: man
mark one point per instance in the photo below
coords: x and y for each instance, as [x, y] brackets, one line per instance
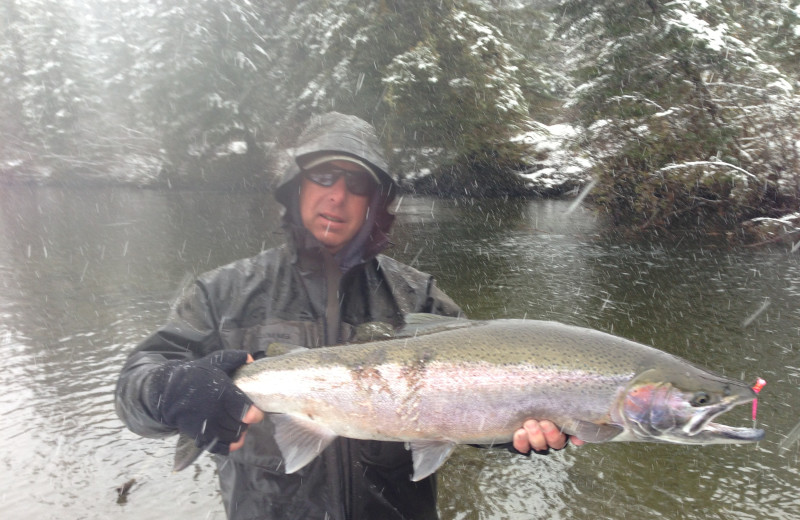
[315, 290]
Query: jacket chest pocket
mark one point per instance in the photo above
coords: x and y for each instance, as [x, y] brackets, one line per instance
[259, 337]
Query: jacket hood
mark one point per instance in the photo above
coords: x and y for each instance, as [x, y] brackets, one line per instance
[349, 136]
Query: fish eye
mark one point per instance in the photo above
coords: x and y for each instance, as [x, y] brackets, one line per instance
[701, 399]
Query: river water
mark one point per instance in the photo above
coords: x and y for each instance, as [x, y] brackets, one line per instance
[86, 274]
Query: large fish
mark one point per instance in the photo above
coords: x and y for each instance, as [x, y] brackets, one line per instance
[476, 382]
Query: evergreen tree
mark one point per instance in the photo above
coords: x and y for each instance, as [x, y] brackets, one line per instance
[457, 91]
[689, 105]
[669, 93]
[48, 98]
[330, 57]
[12, 74]
[206, 63]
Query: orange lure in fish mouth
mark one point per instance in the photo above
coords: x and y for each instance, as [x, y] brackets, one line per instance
[759, 384]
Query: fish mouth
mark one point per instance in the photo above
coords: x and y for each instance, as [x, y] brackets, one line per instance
[702, 430]
[724, 433]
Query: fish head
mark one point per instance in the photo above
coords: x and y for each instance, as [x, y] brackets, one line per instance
[679, 406]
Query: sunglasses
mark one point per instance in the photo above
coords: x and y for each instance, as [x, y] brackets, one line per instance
[358, 183]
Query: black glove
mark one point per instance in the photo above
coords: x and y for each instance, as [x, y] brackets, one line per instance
[199, 399]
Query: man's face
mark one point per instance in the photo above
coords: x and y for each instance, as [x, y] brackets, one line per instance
[333, 214]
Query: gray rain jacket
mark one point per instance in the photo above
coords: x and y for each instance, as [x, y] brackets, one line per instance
[281, 295]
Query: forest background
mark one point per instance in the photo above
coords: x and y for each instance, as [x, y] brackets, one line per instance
[668, 114]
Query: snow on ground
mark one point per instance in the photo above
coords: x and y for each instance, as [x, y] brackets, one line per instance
[556, 163]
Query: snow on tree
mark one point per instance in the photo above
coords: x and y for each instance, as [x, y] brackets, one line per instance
[457, 92]
[676, 99]
[687, 108]
[48, 100]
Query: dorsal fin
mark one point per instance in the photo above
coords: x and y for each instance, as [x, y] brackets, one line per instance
[422, 324]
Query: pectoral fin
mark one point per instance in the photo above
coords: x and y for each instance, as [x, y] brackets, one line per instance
[422, 324]
[300, 440]
[428, 456]
[591, 432]
[186, 452]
